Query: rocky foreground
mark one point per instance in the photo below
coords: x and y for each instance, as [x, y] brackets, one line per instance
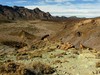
[49, 60]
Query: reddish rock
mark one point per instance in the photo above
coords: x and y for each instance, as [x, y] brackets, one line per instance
[65, 46]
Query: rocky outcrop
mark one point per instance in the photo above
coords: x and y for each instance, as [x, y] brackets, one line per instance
[65, 46]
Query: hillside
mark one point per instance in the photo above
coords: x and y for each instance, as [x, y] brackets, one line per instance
[85, 32]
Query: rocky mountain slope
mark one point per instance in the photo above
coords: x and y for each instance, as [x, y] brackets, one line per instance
[81, 31]
[15, 13]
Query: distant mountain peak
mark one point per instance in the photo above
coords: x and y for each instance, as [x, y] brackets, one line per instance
[18, 12]
[37, 9]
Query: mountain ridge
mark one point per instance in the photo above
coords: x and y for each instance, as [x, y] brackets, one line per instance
[16, 12]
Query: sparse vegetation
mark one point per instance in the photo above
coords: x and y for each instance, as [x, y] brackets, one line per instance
[12, 68]
[14, 44]
[57, 61]
[57, 55]
[22, 56]
[43, 68]
[98, 55]
[5, 21]
[35, 54]
[98, 64]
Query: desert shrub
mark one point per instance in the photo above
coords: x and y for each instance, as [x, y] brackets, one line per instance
[1, 67]
[11, 68]
[24, 71]
[5, 21]
[43, 68]
[52, 56]
[8, 67]
[14, 44]
[51, 48]
[33, 47]
[22, 56]
[37, 68]
[57, 61]
[98, 65]
[98, 56]
[35, 54]
[2, 56]
[58, 55]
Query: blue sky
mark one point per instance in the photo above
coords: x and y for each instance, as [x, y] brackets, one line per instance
[80, 8]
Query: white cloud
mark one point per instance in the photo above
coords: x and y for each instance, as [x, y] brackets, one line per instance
[88, 0]
[21, 1]
[69, 9]
[58, 0]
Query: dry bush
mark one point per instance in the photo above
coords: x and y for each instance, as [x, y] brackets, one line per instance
[98, 64]
[60, 61]
[57, 61]
[35, 54]
[22, 56]
[5, 21]
[24, 71]
[51, 48]
[72, 56]
[58, 55]
[11, 68]
[98, 55]
[14, 44]
[28, 55]
[8, 67]
[2, 68]
[43, 68]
